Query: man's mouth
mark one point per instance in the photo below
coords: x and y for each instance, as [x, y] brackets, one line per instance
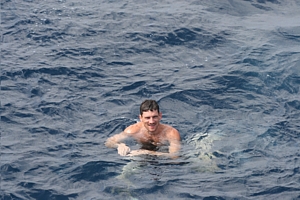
[152, 126]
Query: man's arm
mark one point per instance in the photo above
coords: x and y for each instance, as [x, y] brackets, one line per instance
[174, 143]
[116, 142]
[174, 147]
[174, 140]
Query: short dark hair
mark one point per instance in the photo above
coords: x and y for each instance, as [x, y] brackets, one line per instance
[149, 105]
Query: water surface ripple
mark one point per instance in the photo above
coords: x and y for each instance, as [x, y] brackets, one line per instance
[74, 72]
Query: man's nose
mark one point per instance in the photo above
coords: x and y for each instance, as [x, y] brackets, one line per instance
[151, 120]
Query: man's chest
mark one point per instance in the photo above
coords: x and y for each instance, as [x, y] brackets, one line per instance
[156, 140]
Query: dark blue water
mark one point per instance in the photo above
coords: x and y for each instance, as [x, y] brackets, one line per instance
[74, 72]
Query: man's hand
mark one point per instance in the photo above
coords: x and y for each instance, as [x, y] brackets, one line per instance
[123, 150]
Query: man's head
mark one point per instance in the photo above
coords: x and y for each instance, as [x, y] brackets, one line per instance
[149, 105]
[150, 115]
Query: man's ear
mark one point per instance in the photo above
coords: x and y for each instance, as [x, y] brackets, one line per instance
[140, 116]
[160, 114]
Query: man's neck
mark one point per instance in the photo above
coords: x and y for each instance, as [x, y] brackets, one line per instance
[156, 132]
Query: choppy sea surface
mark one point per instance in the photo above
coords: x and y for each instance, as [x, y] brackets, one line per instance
[73, 73]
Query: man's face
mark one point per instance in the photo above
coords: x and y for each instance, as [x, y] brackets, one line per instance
[151, 119]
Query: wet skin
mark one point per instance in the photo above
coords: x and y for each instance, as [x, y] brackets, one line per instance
[150, 133]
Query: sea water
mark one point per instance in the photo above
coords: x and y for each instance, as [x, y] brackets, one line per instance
[225, 73]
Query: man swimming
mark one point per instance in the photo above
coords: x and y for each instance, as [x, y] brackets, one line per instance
[149, 132]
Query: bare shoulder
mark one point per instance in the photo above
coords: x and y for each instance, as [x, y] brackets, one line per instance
[133, 129]
[128, 132]
[172, 133]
